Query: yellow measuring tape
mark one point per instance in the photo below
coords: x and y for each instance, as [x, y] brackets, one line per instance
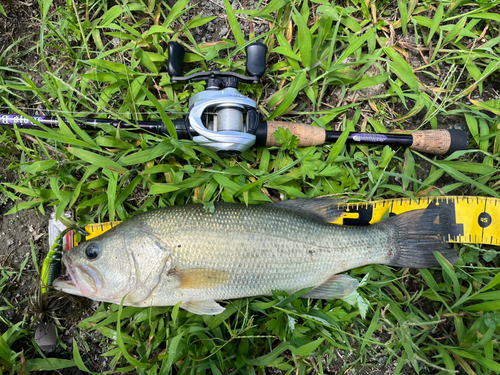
[475, 219]
[95, 230]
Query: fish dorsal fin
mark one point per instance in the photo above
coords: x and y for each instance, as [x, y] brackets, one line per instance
[208, 307]
[200, 278]
[337, 286]
[322, 209]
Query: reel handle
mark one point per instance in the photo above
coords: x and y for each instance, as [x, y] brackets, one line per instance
[256, 59]
[216, 80]
[176, 55]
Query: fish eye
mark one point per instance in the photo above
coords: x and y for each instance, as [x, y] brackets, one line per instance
[92, 251]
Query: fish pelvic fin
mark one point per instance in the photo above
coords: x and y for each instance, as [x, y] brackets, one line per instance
[208, 307]
[322, 209]
[337, 286]
[417, 235]
[200, 278]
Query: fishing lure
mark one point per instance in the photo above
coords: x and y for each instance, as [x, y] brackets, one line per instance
[51, 267]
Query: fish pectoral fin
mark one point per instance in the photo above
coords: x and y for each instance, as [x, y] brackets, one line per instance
[201, 278]
[337, 286]
[322, 209]
[208, 307]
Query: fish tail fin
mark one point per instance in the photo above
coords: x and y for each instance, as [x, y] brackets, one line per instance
[418, 234]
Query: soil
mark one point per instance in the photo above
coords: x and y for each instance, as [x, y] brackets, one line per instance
[17, 232]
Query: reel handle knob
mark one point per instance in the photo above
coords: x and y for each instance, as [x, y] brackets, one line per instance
[256, 60]
[176, 54]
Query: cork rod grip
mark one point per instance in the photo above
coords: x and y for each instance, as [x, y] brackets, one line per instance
[307, 134]
[431, 141]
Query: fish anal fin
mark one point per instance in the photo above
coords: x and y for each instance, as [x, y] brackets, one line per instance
[337, 286]
[200, 278]
[322, 209]
[208, 307]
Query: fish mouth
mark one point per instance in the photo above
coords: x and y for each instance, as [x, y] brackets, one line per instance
[80, 280]
[65, 282]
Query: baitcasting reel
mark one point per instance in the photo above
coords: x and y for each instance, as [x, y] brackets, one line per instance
[221, 118]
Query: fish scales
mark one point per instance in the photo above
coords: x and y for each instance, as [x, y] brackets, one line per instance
[187, 254]
[263, 249]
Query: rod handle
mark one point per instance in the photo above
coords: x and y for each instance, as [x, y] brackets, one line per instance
[440, 141]
[307, 134]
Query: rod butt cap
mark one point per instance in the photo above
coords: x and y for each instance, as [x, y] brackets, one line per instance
[459, 141]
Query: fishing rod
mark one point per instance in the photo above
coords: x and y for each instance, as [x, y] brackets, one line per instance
[222, 119]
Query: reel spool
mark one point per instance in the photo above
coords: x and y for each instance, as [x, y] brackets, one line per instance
[228, 118]
[224, 120]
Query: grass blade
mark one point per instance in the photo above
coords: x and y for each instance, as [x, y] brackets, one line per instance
[304, 38]
[234, 24]
[436, 21]
[297, 83]
[101, 161]
[450, 272]
[273, 6]
[403, 11]
[178, 9]
[166, 120]
[48, 364]
[401, 68]
[355, 43]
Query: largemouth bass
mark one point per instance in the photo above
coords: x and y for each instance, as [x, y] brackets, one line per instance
[184, 253]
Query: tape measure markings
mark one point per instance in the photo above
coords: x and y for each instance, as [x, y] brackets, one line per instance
[95, 230]
[474, 219]
[480, 219]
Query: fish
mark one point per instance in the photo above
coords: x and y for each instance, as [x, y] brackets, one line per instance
[186, 254]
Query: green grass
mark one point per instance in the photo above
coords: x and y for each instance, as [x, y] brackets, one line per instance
[436, 61]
